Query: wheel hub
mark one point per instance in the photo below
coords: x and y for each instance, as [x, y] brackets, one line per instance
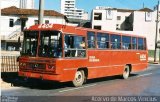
[78, 77]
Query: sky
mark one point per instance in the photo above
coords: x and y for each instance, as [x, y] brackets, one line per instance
[88, 5]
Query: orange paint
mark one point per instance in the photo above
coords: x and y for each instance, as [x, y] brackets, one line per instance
[98, 62]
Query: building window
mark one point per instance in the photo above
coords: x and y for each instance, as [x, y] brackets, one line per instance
[11, 22]
[109, 14]
[117, 27]
[97, 16]
[46, 21]
[148, 16]
[115, 41]
[35, 22]
[97, 27]
[118, 17]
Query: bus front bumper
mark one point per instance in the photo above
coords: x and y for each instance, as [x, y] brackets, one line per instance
[41, 76]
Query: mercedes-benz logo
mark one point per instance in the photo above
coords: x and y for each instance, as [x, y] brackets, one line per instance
[35, 65]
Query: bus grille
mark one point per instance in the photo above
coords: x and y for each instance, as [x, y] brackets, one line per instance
[36, 66]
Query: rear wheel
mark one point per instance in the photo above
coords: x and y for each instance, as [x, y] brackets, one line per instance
[126, 72]
[79, 78]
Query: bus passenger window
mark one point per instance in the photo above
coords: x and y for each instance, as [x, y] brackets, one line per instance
[30, 43]
[134, 43]
[126, 42]
[140, 44]
[102, 40]
[74, 46]
[115, 41]
[51, 44]
[91, 39]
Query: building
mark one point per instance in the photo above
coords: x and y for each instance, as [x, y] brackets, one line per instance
[68, 8]
[25, 4]
[14, 20]
[140, 22]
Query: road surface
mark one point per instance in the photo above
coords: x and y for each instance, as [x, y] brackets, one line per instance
[145, 83]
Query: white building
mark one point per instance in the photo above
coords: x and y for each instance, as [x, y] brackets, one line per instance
[14, 20]
[69, 9]
[139, 22]
[26, 4]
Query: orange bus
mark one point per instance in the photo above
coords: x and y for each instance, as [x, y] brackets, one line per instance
[64, 53]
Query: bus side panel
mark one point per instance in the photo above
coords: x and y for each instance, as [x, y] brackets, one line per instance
[141, 62]
[103, 72]
[99, 64]
[137, 68]
[69, 66]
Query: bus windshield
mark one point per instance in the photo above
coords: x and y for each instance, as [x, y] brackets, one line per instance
[50, 44]
[30, 43]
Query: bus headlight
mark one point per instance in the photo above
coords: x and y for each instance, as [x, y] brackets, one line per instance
[22, 64]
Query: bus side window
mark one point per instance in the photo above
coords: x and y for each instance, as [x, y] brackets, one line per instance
[126, 42]
[102, 40]
[74, 46]
[115, 41]
[91, 39]
[140, 44]
[134, 43]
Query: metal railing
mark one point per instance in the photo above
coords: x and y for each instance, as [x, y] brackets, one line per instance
[9, 64]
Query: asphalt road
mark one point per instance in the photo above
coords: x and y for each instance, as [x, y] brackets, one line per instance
[145, 83]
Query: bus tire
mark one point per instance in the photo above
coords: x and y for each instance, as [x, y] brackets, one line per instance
[126, 72]
[79, 78]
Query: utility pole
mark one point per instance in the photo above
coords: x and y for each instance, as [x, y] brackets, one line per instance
[157, 21]
[41, 11]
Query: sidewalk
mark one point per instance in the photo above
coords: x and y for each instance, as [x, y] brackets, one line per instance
[5, 85]
[151, 60]
[7, 80]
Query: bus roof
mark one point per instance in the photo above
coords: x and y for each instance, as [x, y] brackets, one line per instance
[72, 29]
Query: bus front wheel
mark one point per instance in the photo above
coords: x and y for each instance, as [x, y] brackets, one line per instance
[79, 78]
[126, 72]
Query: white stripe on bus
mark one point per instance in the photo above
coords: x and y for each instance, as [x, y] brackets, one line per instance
[102, 66]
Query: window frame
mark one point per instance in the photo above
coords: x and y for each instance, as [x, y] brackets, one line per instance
[118, 18]
[142, 48]
[46, 21]
[52, 48]
[145, 43]
[118, 42]
[11, 22]
[35, 22]
[94, 41]
[99, 14]
[124, 41]
[76, 49]
[134, 43]
[98, 27]
[107, 36]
